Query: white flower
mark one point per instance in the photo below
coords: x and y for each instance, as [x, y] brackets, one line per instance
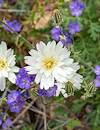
[7, 65]
[50, 63]
[76, 80]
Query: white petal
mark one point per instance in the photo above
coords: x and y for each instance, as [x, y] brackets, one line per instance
[3, 49]
[12, 77]
[14, 69]
[38, 78]
[31, 69]
[40, 46]
[2, 83]
[47, 82]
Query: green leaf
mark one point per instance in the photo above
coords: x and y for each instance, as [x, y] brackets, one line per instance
[73, 123]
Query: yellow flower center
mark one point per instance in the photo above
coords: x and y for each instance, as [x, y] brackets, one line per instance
[3, 63]
[49, 63]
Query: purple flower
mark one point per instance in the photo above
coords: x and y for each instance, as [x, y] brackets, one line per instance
[97, 70]
[66, 39]
[56, 32]
[24, 80]
[74, 27]
[7, 123]
[1, 3]
[12, 26]
[0, 121]
[48, 93]
[97, 81]
[76, 7]
[59, 35]
[15, 101]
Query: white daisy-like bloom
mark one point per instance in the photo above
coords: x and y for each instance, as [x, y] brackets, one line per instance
[76, 81]
[7, 65]
[50, 63]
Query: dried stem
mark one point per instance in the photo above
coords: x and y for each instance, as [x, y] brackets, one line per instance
[24, 111]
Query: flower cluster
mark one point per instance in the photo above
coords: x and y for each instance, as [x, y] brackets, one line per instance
[74, 27]
[52, 68]
[7, 65]
[49, 92]
[7, 123]
[58, 34]
[15, 101]
[23, 79]
[76, 7]
[97, 72]
[12, 26]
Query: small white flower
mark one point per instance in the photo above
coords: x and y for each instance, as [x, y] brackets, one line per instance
[7, 65]
[50, 63]
[76, 80]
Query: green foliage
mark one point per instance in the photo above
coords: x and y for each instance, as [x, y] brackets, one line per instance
[94, 30]
[73, 123]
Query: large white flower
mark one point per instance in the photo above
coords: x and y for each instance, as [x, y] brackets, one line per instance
[76, 81]
[50, 63]
[7, 65]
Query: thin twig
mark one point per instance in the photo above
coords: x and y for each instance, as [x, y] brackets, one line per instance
[19, 35]
[13, 10]
[44, 115]
[36, 110]
[24, 111]
[60, 126]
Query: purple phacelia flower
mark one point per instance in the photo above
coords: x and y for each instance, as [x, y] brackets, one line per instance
[23, 79]
[7, 123]
[15, 101]
[73, 27]
[56, 32]
[76, 7]
[97, 81]
[1, 3]
[59, 35]
[97, 70]
[48, 93]
[12, 26]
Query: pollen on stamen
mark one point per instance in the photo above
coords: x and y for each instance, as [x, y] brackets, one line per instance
[49, 63]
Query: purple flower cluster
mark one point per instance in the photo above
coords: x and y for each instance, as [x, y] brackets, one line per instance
[15, 101]
[76, 7]
[97, 72]
[48, 93]
[58, 34]
[24, 80]
[12, 26]
[5, 124]
[73, 27]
